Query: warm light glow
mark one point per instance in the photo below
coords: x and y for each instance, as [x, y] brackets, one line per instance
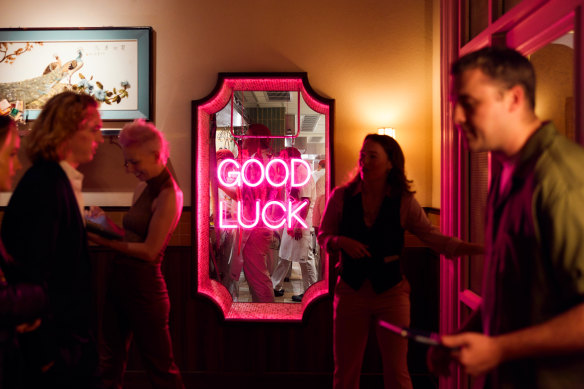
[387, 131]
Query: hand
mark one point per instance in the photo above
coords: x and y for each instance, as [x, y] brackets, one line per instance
[439, 360]
[97, 239]
[467, 248]
[94, 212]
[352, 247]
[476, 353]
[28, 327]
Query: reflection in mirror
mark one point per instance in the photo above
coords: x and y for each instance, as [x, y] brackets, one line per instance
[292, 132]
[265, 145]
[554, 95]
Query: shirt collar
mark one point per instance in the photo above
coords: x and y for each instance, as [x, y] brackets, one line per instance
[73, 174]
[535, 145]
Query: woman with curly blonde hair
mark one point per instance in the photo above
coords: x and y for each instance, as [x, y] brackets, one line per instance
[43, 230]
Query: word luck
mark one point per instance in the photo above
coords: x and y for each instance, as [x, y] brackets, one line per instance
[276, 173]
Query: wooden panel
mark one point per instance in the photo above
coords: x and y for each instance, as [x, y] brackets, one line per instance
[214, 353]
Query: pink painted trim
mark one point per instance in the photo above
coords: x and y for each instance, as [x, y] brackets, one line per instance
[211, 288]
[528, 37]
[470, 299]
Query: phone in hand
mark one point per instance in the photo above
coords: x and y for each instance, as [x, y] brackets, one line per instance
[424, 337]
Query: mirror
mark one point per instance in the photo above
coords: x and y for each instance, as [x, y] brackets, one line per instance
[261, 153]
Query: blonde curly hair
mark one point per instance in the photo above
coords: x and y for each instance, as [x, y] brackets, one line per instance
[57, 122]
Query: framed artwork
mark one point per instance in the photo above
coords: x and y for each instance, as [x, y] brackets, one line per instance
[112, 64]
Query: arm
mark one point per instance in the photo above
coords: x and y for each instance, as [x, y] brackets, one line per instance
[98, 216]
[22, 302]
[168, 208]
[480, 353]
[561, 230]
[414, 219]
[328, 234]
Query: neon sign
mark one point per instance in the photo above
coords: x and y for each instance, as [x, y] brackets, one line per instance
[275, 174]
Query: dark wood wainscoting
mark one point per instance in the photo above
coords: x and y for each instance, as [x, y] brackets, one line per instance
[213, 353]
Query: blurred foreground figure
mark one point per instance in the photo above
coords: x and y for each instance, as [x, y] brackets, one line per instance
[528, 332]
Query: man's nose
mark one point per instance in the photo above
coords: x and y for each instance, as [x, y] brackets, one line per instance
[459, 116]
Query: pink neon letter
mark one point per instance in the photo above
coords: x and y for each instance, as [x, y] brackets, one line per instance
[240, 215]
[237, 180]
[292, 214]
[269, 165]
[265, 218]
[305, 164]
[244, 169]
[222, 222]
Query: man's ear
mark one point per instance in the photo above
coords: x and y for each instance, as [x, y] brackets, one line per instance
[157, 155]
[516, 96]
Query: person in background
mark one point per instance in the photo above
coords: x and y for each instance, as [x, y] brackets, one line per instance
[43, 230]
[364, 221]
[295, 245]
[528, 331]
[320, 171]
[137, 304]
[21, 304]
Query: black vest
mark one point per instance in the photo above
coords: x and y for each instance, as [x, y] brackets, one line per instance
[384, 239]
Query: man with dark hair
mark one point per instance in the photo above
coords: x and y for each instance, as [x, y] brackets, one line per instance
[528, 331]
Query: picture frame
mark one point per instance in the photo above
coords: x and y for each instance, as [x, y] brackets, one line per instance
[112, 64]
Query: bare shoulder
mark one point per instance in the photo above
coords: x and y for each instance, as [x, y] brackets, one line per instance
[171, 195]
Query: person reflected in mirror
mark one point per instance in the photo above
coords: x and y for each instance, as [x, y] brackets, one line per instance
[364, 222]
[296, 240]
[136, 304]
[528, 331]
[21, 304]
[226, 237]
[252, 251]
[43, 231]
[319, 177]
[319, 171]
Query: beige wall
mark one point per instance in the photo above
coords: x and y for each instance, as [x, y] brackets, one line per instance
[375, 58]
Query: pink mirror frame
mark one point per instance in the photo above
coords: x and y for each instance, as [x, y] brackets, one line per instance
[201, 114]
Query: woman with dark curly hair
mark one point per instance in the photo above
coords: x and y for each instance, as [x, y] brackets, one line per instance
[364, 221]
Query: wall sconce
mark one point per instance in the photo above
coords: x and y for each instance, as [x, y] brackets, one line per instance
[387, 131]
